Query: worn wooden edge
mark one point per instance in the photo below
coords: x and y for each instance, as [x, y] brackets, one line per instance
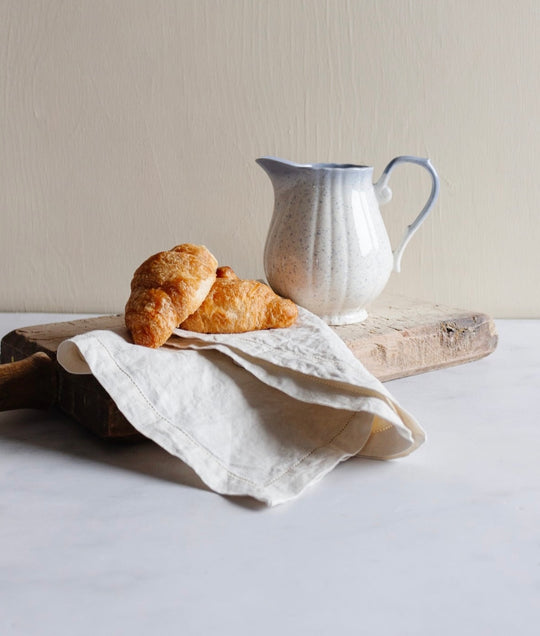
[403, 337]
[81, 397]
[458, 341]
[47, 337]
[28, 383]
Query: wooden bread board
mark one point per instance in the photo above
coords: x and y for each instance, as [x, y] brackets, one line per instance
[400, 337]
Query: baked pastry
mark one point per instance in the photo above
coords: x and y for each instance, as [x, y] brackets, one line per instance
[226, 272]
[165, 290]
[235, 306]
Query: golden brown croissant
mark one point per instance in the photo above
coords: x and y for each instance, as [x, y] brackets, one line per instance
[166, 289]
[235, 306]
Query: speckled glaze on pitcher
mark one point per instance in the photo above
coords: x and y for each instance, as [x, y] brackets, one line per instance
[327, 246]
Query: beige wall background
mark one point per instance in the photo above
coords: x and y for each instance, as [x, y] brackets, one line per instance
[127, 127]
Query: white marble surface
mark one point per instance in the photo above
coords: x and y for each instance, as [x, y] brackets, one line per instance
[101, 538]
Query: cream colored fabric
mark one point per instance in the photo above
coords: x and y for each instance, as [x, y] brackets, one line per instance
[264, 414]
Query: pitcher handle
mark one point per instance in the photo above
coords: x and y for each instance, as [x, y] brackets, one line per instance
[384, 194]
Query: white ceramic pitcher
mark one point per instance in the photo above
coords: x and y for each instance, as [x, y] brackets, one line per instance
[327, 247]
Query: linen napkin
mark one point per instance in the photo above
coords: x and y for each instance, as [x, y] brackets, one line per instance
[264, 413]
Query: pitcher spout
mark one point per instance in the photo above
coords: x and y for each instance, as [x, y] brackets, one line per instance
[276, 168]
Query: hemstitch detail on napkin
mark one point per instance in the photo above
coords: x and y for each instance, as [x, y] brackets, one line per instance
[311, 452]
[173, 427]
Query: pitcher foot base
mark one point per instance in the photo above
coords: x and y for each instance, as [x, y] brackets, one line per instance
[345, 319]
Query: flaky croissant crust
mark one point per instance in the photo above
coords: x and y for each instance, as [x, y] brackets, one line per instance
[166, 289]
[184, 287]
[236, 306]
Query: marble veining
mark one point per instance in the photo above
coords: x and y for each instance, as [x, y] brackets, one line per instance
[108, 538]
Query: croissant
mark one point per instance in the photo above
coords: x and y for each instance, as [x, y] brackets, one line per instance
[165, 290]
[235, 306]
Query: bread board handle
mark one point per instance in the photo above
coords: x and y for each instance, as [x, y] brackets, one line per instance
[28, 384]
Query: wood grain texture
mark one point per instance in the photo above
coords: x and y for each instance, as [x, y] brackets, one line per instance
[80, 396]
[400, 337]
[28, 383]
[403, 337]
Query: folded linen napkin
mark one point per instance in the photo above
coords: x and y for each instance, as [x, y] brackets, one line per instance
[264, 413]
